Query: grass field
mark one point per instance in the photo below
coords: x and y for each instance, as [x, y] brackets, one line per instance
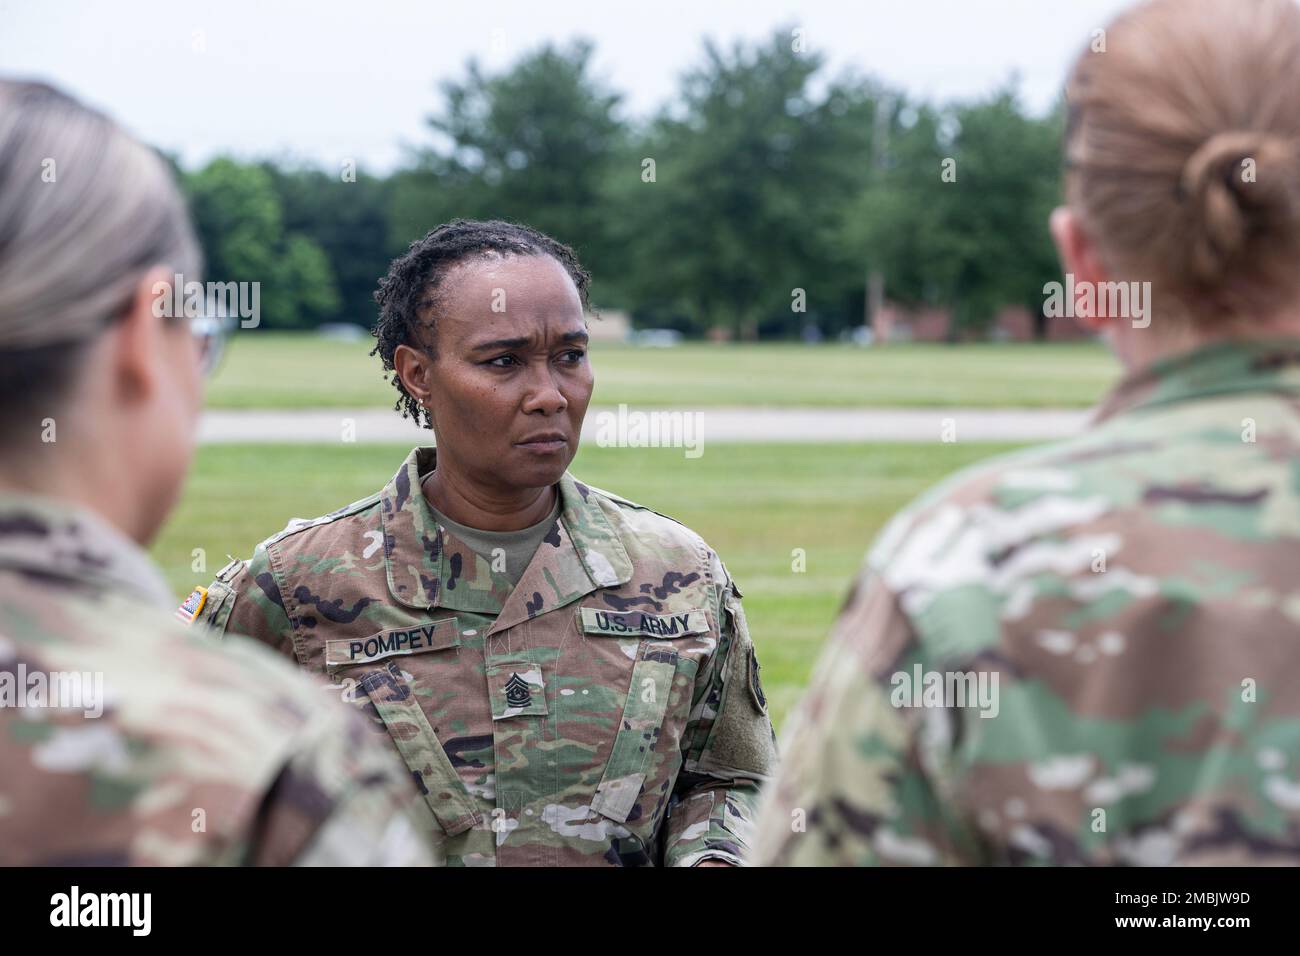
[753, 503]
[281, 370]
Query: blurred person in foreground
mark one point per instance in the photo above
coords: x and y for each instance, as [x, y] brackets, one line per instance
[124, 737]
[1089, 653]
[567, 674]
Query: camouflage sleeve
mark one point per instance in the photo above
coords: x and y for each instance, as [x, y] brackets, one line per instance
[862, 781]
[730, 748]
[245, 599]
[341, 799]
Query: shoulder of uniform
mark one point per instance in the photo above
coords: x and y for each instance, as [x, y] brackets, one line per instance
[204, 603]
[250, 675]
[643, 526]
[642, 517]
[964, 522]
[608, 495]
[262, 669]
[237, 672]
[297, 526]
[248, 689]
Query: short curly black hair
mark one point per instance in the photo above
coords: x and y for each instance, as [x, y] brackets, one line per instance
[409, 296]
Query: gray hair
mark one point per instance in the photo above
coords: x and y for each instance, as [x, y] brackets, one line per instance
[85, 210]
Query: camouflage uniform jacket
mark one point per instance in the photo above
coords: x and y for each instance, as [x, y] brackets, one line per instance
[127, 739]
[1134, 591]
[605, 710]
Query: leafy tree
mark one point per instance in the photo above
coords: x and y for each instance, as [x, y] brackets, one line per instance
[958, 216]
[239, 221]
[347, 217]
[750, 175]
[764, 185]
[308, 283]
[532, 144]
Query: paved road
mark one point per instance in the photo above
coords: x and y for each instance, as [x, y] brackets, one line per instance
[673, 427]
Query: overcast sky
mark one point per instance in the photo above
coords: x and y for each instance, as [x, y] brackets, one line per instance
[330, 80]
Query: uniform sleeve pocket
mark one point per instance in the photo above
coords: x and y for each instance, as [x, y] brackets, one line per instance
[638, 732]
[693, 815]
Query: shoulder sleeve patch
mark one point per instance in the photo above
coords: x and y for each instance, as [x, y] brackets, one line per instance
[741, 741]
[192, 605]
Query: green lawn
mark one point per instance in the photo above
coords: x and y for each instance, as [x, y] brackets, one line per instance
[753, 503]
[281, 370]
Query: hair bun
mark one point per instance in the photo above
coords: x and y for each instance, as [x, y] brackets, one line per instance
[1233, 184]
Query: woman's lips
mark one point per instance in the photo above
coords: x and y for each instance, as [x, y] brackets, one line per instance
[543, 446]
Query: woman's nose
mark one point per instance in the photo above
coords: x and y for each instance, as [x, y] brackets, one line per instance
[544, 394]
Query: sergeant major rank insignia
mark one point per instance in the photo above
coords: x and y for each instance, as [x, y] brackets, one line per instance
[192, 605]
[518, 693]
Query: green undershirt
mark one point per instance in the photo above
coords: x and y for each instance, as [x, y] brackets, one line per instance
[516, 547]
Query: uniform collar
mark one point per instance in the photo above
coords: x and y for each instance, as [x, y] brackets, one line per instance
[60, 540]
[428, 566]
[1220, 368]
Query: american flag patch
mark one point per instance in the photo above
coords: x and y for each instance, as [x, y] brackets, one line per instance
[189, 610]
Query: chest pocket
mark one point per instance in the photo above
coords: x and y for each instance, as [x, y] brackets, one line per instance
[373, 663]
[646, 705]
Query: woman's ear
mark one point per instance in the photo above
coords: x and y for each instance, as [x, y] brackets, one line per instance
[138, 351]
[1078, 259]
[415, 369]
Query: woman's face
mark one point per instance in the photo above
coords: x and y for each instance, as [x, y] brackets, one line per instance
[510, 380]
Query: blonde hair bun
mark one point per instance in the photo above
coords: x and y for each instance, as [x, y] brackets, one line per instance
[1237, 186]
[1183, 146]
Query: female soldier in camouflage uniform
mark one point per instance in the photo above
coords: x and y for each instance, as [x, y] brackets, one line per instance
[568, 675]
[1090, 653]
[123, 740]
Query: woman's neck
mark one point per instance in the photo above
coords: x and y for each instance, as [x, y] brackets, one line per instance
[1138, 348]
[487, 510]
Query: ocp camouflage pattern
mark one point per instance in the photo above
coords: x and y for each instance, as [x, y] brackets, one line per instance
[599, 712]
[1133, 591]
[199, 753]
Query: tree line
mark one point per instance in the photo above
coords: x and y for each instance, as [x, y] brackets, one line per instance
[766, 197]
